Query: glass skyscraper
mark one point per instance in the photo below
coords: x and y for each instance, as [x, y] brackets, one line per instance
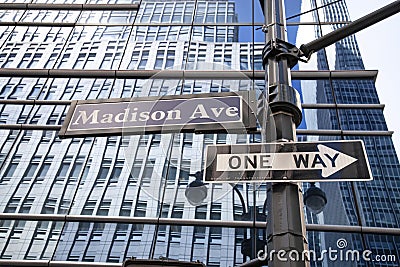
[106, 199]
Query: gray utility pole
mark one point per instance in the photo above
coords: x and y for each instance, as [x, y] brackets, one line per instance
[285, 221]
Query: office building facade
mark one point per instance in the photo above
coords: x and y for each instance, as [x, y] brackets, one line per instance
[106, 199]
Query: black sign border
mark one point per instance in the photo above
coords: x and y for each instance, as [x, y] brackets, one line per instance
[249, 121]
[209, 168]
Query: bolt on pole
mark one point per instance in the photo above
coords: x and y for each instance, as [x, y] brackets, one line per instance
[285, 221]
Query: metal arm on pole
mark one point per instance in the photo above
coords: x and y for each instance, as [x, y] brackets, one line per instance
[352, 28]
[293, 54]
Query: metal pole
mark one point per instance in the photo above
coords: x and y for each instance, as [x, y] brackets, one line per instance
[286, 230]
[188, 74]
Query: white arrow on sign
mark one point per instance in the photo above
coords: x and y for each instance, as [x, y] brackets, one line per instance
[327, 159]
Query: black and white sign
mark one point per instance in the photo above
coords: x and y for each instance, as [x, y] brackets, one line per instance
[284, 162]
[223, 112]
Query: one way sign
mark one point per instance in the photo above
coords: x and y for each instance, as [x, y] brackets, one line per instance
[284, 162]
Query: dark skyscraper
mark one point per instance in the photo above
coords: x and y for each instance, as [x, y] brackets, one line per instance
[106, 199]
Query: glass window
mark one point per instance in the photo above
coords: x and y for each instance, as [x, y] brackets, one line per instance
[104, 207]
[126, 208]
[89, 207]
[63, 170]
[140, 210]
[135, 172]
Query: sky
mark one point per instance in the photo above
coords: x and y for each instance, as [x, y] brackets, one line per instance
[379, 49]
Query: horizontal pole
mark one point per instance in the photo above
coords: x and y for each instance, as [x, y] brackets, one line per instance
[40, 24]
[158, 24]
[132, 220]
[180, 74]
[353, 229]
[338, 74]
[40, 6]
[245, 24]
[343, 133]
[304, 106]
[317, 23]
[34, 102]
[339, 106]
[298, 131]
[190, 222]
[30, 127]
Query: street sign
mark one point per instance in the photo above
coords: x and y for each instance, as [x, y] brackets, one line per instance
[288, 162]
[232, 112]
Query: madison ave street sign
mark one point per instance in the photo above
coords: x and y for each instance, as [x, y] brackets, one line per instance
[232, 112]
[286, 162]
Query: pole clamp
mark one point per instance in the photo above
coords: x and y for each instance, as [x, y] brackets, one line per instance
[278, 49]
